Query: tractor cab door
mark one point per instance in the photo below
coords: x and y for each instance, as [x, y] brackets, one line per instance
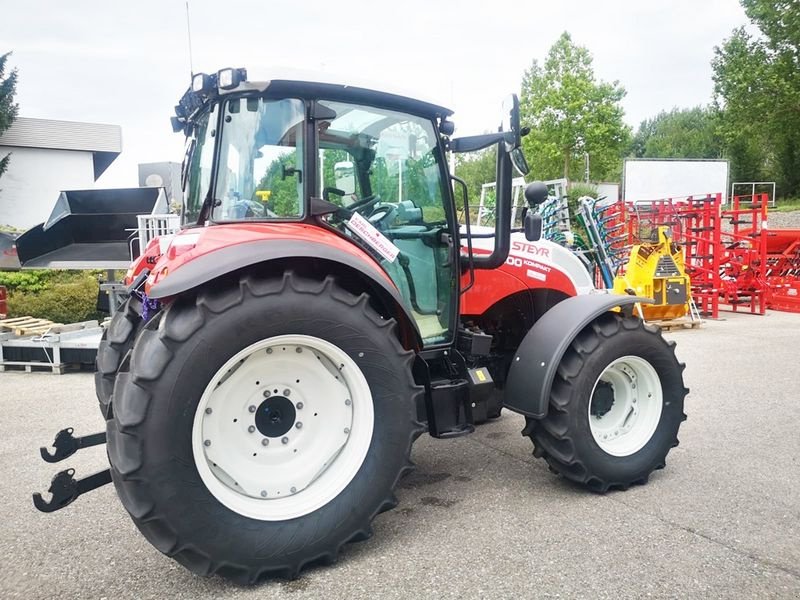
[386, 168]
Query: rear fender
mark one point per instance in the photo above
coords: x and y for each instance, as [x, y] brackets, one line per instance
[535, 363]
[223, 261]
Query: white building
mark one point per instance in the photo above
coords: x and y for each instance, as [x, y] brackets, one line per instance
[47, 157]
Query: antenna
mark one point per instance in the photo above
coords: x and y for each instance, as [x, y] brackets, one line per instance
[189, 36]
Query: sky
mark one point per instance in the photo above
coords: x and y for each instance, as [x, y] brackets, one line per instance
[127, 63]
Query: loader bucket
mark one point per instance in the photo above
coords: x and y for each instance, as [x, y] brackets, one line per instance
[90, 229]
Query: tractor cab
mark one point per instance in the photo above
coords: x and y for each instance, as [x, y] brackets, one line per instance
[367, 165]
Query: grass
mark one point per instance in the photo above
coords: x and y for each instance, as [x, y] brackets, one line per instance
[787, 205]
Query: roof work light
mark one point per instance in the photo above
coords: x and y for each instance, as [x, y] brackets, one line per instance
[228, 79]
[200, 82]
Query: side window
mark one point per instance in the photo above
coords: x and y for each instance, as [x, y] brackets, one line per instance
[260, 174]
[405, 169]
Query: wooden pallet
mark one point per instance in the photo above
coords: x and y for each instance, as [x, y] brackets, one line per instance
[33, 326]
[31, 367]
[676, 324]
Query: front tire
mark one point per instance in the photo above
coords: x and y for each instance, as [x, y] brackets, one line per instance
[188, 452]
[615, 406]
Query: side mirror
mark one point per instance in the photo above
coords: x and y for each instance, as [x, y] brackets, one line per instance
[533, 226]
[512, 133]
[510, 122]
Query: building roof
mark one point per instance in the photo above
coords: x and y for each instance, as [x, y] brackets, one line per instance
[103, 141]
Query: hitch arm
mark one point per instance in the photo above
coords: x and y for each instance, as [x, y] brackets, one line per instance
[66, 444]
[65, 489]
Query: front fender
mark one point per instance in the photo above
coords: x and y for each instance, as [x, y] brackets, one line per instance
[535, 363]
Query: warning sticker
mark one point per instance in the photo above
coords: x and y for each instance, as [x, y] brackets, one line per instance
[374, 238]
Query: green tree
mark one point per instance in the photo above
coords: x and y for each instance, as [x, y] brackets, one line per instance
[757, 89]
[476, 168]
[571, 114]
[679, 133]
[8, 109]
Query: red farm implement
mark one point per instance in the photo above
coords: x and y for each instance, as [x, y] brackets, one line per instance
[734, 260]
[783, 269]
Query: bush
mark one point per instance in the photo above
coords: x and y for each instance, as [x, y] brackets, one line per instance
[25, 281]
[59, 297]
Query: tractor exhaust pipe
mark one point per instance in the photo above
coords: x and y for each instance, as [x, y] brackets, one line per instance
[502, 221]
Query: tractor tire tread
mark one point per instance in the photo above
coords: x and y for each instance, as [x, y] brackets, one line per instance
[115, 343]
[150, 357]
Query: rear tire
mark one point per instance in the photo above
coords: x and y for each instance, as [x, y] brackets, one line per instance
[194, 505]
[116, 342]
[621, 370]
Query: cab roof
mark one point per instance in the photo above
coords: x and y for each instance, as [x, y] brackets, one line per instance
[322, 85]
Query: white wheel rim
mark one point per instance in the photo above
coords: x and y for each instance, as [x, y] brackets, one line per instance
[302, 469]
[632, 418]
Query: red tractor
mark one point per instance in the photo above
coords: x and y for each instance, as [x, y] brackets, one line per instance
[323, 306]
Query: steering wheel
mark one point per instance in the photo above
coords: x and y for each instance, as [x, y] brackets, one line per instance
[367, 202]
[383, 215]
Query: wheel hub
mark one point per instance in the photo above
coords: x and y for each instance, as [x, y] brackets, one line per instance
[602, 399]
[275, 416]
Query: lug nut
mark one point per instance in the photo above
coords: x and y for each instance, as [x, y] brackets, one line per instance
[286, 392]
[299, 406]
[209, 411]
[265, 442]
[284, 440]
[269, 350]
[263, 493]
[347, 430]
[267, 393]
[347, 402]
[207, 443]
[299, 350]
[293, 490]
[299, 425]
[251, 408]
[251, 429]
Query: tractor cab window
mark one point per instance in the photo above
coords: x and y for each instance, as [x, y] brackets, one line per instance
[260, 165]
[384, 167]
[199, 161]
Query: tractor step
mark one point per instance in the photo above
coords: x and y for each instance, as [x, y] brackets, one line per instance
[66, 444]
[65, 489]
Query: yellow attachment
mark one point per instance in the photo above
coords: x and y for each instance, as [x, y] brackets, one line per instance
[657, 270]
[263, 195]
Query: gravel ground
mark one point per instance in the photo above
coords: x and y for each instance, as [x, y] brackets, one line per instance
[784, 220]
[480, 518]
